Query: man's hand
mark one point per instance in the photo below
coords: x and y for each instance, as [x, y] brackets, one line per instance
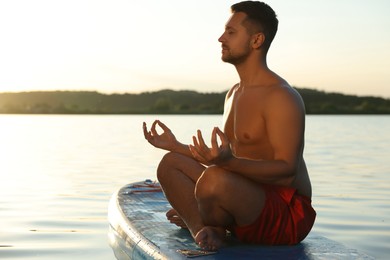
[217, 154]
[166, 140]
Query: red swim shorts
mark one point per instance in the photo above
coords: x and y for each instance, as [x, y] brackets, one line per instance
[286, 219]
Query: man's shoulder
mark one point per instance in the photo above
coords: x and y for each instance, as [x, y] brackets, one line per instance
[288, 92]
[281, 89]
[232, 89]
[273, 90]
[284, 96]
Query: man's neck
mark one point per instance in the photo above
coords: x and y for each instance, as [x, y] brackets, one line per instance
[252, 70]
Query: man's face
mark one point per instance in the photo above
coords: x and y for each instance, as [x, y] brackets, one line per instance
[235, 40]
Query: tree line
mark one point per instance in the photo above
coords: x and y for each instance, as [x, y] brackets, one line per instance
[171, 102]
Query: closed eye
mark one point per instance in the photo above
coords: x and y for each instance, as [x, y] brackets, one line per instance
[229, 30]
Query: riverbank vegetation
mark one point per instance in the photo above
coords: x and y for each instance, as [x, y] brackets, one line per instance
[171, 102]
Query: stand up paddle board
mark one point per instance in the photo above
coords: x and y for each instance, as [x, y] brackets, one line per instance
[139, 230]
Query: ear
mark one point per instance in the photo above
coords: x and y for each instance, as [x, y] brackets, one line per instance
[258, 40]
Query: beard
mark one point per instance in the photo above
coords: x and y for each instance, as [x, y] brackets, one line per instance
[236, 57]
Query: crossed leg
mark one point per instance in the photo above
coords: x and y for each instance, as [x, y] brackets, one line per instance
[208, 200]
[178, 175]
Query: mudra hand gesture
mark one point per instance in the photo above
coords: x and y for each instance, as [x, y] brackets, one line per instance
[166, 140]
[216, 154]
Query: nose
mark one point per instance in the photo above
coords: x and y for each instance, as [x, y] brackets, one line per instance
[221, 39]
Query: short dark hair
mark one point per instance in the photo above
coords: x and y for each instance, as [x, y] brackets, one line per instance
[260, 18]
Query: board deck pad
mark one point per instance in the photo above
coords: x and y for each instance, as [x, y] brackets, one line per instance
[139, 230]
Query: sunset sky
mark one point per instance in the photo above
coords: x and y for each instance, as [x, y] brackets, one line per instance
[116, 46]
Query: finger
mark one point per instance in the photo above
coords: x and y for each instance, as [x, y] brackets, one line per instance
[200, 150]
[163, 126]
[192, 150]
[153, 128]
[201, 141]
[195, 141]
[223, 137]
[147, 133]
[145, 129]
[196, 154]
[214, 142]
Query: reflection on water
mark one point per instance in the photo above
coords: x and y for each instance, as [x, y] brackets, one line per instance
[58, 173]
[348, 161]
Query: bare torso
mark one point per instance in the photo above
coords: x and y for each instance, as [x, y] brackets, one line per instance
[245, 127]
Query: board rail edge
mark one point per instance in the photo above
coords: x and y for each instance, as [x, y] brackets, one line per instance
[124, 228]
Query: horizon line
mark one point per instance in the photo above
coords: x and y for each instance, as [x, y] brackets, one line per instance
[173, 89]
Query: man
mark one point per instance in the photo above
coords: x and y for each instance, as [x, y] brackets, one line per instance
[254, 183]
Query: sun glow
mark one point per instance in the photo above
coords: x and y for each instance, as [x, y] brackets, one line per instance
[127, 46]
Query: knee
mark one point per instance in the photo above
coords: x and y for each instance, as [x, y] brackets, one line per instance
[168, 162]
[210, 184]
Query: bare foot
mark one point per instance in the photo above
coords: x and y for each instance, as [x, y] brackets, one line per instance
[210, 238]
[174, 218]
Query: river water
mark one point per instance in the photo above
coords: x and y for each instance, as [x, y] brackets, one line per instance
[58, 173]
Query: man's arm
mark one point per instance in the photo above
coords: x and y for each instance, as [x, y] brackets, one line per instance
[284, 119]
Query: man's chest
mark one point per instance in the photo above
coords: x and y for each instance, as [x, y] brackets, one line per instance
[244, 121]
